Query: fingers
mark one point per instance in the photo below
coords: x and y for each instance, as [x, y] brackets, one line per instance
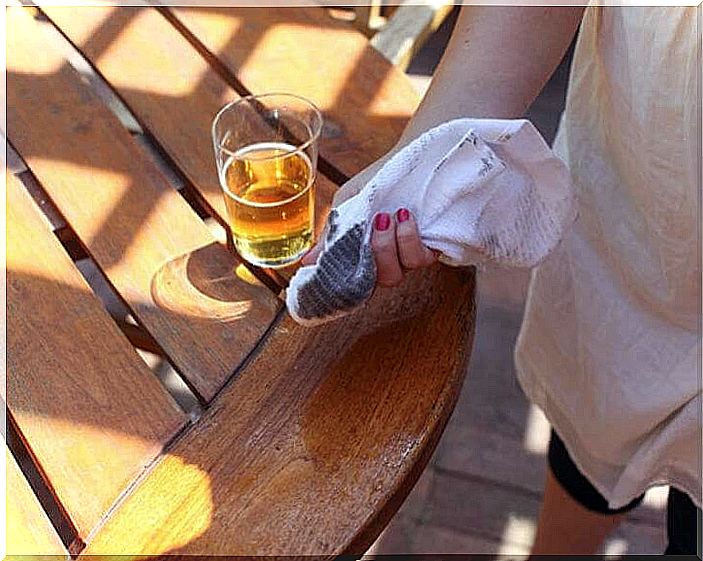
[385, 251]
[396, 246]
[412, 252]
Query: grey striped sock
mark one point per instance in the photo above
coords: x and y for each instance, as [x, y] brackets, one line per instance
[344, 277]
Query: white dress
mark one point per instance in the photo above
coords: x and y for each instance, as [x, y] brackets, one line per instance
[610, 346]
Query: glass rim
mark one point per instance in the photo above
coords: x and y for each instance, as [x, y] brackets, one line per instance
[314, 134]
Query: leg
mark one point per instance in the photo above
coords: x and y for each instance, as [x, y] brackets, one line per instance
[575, 518]
[682, 520]
[565, 527]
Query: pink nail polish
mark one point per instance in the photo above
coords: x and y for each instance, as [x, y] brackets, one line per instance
[403, 215]
[382, 221]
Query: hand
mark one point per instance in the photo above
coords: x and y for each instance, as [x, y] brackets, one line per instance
[396, 247]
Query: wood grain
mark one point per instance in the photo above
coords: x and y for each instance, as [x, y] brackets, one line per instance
[364, 99]
[172, 90]
[28, 530]
[89, 409]
[317, 442]
[152, 247]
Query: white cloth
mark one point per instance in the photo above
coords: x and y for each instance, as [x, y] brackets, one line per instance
[479, 190]
[610, 346]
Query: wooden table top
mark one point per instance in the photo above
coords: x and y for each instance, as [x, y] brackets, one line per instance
[306, 440]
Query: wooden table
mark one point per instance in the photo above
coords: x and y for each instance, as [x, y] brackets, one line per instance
[305, 441]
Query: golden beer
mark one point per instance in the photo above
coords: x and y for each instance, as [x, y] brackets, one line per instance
[270, 202]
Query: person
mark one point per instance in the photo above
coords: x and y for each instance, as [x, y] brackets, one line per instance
[609, 344]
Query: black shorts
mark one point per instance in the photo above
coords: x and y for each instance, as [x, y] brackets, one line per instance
[682, 514]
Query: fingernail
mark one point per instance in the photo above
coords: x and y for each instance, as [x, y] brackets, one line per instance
[382, 221]
[403, 215]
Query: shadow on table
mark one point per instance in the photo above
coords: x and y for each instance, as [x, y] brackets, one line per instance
[318, 419]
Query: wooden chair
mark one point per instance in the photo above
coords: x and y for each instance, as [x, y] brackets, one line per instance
[398, 32]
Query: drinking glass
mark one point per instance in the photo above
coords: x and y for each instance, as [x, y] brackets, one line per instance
[266, 154]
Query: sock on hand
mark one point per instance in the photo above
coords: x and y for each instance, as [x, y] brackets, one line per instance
[480, 190]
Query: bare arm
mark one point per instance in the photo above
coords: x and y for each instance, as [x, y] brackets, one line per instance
[495, 64]
[497, 61]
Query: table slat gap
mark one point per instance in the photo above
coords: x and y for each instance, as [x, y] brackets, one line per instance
[365, 100]
[137, 333]
[51, 215]
[156, 134]
[14, 163]
[57, 223]
[324, 166]
[100, 283]
[253, 354]
[94, 80]
[177, 235]
[175, 384]
[149, 145]
[42, 488]
[139, 337]
[70, 242]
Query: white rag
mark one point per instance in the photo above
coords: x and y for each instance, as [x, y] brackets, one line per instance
[479, 190]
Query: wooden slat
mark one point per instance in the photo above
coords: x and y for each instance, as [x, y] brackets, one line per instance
[28, 530]
[365, 100]
[87, 406]
[367, 17]
[319, 439]
[171, 89]
[407, 30]
[153, 248]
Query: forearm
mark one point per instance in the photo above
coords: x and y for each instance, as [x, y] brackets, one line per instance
[497, 61]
